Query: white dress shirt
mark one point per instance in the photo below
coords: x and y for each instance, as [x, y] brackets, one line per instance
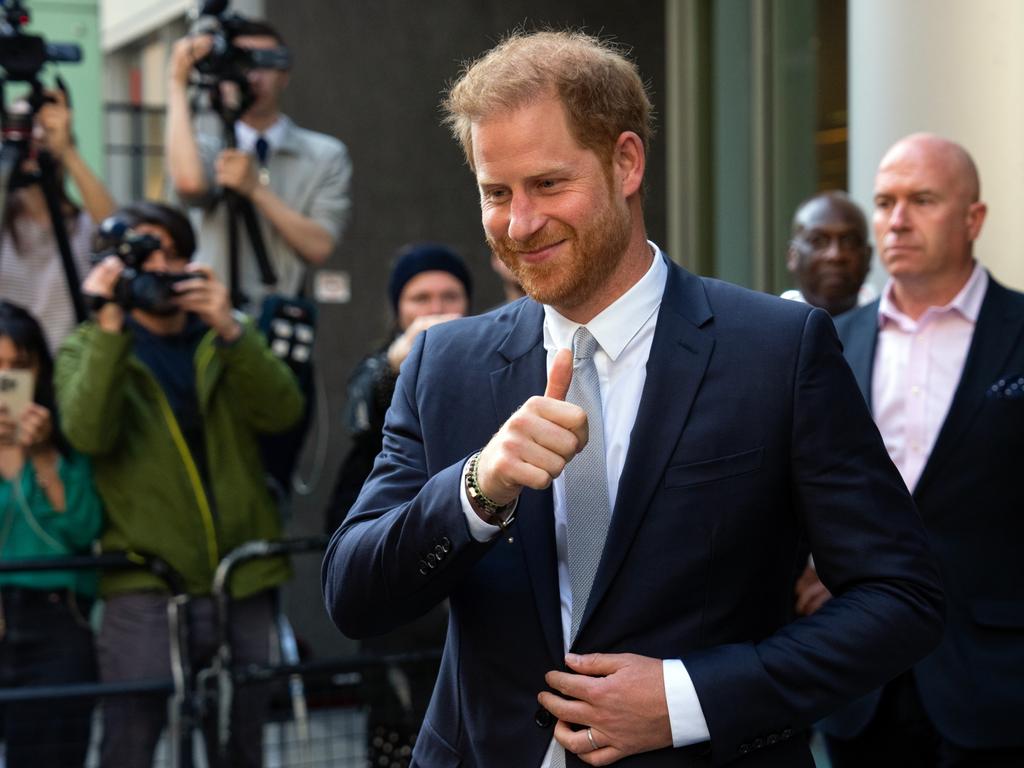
[918, 365]
[246, 135]
[624, 332]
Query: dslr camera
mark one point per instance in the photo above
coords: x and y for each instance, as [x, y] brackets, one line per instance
[152, 292]
[227, 62]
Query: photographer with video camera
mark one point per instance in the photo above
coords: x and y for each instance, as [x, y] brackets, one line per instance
[297, 180]
[31, 272]
[166, 390]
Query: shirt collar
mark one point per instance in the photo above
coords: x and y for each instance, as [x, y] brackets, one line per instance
[619, 322]
[276, 134]
[967, 302]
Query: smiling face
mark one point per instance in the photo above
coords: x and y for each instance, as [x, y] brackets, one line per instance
[554, 212]
[927, 213]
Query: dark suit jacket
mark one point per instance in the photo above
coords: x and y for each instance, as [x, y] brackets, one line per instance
[750, 433]
[971, 498]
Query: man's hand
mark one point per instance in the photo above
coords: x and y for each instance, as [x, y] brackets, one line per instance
[620, 697]
[100, 282]
[236, 170]
[532, 448]
[402, 346]
[184, 55]
[207, 297]
[811, 594]
[53, 124]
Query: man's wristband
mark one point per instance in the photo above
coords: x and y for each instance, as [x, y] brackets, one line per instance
[501, 515]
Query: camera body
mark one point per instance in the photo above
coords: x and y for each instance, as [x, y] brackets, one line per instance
[228, 62]
[137, 288]
[22, 56]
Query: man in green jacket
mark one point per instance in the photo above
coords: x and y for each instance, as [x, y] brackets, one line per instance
[166, 389]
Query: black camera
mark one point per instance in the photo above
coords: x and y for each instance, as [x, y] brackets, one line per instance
[227, 61]
[152, 292]
[23, 55]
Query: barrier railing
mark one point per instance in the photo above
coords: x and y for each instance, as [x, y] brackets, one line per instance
[328, 722]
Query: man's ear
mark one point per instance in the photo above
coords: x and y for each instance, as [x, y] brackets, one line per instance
[975, 218]
[629, 162]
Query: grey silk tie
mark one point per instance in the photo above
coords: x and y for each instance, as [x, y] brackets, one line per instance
[587, 508]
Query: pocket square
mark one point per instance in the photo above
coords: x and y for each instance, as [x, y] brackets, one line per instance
[1007, 388]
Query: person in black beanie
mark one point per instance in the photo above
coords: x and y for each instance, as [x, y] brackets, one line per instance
[429, 284]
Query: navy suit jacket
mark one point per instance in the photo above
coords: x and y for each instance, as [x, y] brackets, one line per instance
[750, 435]
[971, 498]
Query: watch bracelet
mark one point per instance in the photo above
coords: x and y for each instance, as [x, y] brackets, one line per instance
[493, 509]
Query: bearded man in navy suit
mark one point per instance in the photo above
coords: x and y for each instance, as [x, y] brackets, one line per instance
[724, 428]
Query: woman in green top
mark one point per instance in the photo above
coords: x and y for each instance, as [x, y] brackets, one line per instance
[48, 508]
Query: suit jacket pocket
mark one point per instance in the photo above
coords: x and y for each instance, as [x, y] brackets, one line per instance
[433, 751]
[998, 614]
[712, 470]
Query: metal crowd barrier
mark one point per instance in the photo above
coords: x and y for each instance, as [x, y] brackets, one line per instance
[327, 700]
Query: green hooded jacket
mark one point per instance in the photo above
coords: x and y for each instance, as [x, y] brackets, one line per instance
[113, 410]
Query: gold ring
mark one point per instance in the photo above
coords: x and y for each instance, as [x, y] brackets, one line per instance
[590, 735]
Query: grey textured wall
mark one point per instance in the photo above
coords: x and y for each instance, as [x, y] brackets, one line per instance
[372, 74]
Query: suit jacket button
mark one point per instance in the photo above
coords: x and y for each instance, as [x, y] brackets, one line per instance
[431, 560]
[439, 551]
[446, 543]
[543, 718]
[787, 733]
[772, 739]
[758, 743]
[744, 748]
[424, 570]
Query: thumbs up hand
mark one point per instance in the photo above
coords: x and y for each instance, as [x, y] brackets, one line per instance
[532, 448]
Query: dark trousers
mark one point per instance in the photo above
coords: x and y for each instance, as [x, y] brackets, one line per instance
[901, 735]
[134, 645]
[46, 641]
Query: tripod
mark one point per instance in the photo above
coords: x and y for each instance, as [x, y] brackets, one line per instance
[17, 133]
[239, 206]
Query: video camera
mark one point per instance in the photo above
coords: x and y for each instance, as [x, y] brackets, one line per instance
[137, 288]
[22, 56]
[228, 62]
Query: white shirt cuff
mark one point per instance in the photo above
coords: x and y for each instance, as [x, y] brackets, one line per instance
[685, 715]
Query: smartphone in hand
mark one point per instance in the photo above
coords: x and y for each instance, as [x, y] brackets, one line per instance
[16, 389]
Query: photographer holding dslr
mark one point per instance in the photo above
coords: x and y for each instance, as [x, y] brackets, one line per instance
[166, 390]
[31, 272]
[296, 180]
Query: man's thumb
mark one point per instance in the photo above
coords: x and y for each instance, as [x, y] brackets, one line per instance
[560, 376]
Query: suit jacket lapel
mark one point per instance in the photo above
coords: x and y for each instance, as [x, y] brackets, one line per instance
[679, 357]
[513, 384]
[996, 335]
[859, 347]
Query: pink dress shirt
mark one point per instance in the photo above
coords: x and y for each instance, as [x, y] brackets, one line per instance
[918, 364]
